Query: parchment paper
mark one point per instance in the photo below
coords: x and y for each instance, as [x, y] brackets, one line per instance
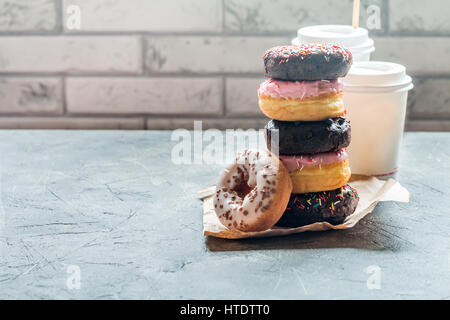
[370, 189]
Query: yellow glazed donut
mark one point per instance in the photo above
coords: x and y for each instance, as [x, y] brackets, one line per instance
[318, 172]
[301, 100]
[252, 192]
[324, 178]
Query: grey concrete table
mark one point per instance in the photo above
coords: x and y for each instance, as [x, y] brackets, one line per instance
[110, 209]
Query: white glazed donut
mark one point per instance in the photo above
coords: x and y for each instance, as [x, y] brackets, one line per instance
[253, 192]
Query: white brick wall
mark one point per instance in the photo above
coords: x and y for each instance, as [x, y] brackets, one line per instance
[28, 15]
[26, 95]
[241, 98]
[137, 64]
[144, 95]
[71, 54]
[430, 99]
[202, 54]
[72, 123]
[425, 55]
[427, 125]
[148, 15]
[221, 124]
[262, 16]
[416, 16]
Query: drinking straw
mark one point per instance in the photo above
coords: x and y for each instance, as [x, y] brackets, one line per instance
[355, 21]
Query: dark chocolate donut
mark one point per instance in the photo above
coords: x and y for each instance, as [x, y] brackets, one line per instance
[307, 137]
[330, 206]
[307, 62]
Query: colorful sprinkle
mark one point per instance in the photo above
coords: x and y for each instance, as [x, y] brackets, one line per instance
[303, 50]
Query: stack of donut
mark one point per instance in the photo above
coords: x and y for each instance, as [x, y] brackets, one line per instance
[308, 130]
[307, 182]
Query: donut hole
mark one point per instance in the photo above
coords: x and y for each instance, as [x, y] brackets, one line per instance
[242, 189]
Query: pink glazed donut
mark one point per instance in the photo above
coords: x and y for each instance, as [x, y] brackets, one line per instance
[252, 192]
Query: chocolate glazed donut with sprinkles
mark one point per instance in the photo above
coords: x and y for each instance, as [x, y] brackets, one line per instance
[307, 62]
[252, 192]
[326, 206]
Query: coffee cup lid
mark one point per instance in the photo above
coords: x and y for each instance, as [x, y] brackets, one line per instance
[376, 74]
[339, 34]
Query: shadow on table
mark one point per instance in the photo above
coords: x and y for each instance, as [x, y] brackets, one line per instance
[368, 234]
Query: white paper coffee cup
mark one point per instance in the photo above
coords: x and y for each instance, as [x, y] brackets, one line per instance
[375, 95]
[356, 40]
